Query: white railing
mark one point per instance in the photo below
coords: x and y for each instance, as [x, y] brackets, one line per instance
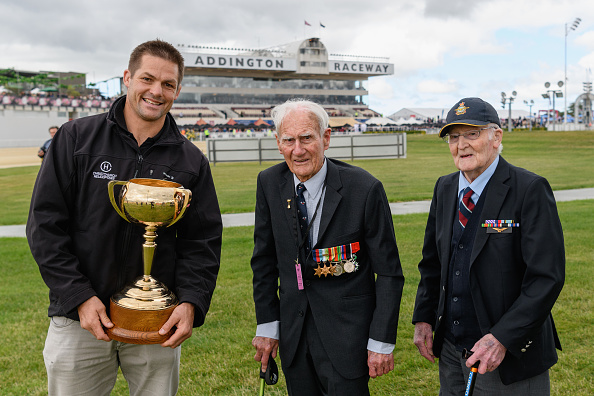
[343, 147]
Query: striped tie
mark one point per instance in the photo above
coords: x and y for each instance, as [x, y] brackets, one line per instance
[466, 207]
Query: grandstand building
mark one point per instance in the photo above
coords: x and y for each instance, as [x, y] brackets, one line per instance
[238, 83]
[220, 86]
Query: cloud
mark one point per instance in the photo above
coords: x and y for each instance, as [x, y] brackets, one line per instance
[437, 87]
[440, 49]
[380, 88]
[450, 8]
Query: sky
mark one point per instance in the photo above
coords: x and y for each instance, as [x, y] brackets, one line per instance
[442, 51]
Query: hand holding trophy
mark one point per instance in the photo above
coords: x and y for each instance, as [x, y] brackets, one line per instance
[141, 308]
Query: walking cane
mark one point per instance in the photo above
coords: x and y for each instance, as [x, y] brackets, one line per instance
[473, 373]
[270, 376]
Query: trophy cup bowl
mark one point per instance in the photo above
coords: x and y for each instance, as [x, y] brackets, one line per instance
[140, 309]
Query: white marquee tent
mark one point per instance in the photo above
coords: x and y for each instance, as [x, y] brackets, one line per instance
[380, 121]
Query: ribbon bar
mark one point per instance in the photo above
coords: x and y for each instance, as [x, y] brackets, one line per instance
[336, 253]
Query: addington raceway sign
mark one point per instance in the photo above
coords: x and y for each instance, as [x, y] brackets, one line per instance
[361, 67]
[239, 62]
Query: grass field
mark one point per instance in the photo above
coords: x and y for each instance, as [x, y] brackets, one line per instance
[218, 359]
[564, 158]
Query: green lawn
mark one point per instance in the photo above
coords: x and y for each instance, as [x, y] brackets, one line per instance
[566, 159]
[218, 359]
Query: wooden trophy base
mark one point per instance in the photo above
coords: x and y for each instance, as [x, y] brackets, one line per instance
[134, 326]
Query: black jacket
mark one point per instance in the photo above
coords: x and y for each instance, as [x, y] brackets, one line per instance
[84, 248]
[347, 309]
[515, 278]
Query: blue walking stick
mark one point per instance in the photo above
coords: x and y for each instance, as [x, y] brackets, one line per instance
[473, 373]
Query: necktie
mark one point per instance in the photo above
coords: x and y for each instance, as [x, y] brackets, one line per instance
[302, 213]
[466, 207]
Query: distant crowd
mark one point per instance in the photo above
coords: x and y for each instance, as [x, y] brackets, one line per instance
[33, 100]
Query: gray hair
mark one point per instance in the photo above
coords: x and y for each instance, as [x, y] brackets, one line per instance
[492, 132]
[279, 113]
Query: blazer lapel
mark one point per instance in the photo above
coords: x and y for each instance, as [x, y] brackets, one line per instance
[496, 193]
[287, 196]
[449, 210]
[331, 199]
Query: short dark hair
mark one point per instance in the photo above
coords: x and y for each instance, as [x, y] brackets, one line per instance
[160, 49]
[52, 127]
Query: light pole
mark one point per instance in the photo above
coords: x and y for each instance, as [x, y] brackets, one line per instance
[552, 93]
[530, 104]
[509, 100]
[573, 26]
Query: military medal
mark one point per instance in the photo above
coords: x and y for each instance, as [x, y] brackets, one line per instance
[318, 271]
[338, 269]
[340, 259]
[349, 266]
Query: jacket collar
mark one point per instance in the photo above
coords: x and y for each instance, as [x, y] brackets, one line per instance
[498, 190]
[332, 198]
[450, 210]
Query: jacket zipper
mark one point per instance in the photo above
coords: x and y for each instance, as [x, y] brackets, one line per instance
[138, 165]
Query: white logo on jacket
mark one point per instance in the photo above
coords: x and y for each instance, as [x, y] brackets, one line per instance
[105, 167]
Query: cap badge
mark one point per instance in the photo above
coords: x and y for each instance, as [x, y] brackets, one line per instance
[461, 109]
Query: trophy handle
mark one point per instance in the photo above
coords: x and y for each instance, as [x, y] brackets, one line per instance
[187, 194]
[112, 199]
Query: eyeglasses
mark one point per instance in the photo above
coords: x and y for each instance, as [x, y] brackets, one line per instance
[469, 135]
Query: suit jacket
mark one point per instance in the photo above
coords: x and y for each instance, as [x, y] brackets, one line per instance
[515, 278]
[347, 309]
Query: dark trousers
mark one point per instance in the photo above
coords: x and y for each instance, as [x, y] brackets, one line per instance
[453, 375]
[312, 374]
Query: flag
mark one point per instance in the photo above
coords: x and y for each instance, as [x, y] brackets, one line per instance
[307, 23]
[322, 25]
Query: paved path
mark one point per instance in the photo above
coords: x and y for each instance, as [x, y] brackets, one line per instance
[247, 219]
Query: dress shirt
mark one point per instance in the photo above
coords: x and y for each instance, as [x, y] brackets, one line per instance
[479, 184]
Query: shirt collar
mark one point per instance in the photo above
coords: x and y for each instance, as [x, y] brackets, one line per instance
[479, 184]
[315, 183]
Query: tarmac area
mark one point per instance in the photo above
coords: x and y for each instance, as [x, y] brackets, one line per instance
[25, 156]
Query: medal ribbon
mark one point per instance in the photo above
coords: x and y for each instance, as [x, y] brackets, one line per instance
[336, 253]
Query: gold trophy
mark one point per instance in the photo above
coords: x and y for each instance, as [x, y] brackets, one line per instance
[141, 308]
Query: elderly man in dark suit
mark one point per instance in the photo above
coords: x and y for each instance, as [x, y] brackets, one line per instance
[324, 230]
[493, 265]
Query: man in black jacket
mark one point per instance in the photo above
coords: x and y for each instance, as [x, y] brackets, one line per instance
[86, 252]
[335, 313]
[493, 265]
